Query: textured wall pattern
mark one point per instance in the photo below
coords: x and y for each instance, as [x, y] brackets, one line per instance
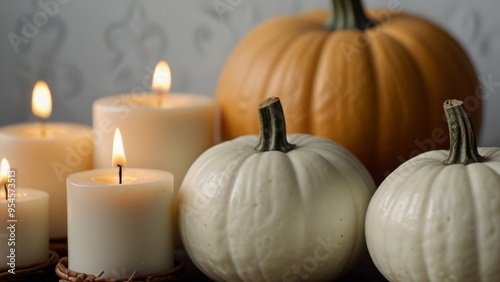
[89, 49]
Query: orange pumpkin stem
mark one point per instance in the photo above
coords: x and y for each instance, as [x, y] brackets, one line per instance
[272, 127]
[463, 148]
[348, 14]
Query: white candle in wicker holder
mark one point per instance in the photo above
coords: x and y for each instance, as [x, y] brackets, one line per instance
[120, 222]
[24, 222]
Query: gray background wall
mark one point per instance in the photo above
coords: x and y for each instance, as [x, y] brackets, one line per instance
[88, 49]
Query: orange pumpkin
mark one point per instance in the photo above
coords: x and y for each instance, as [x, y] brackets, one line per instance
[373, 84]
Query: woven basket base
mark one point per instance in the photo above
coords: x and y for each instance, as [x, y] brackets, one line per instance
[72, 276]
[42, 271]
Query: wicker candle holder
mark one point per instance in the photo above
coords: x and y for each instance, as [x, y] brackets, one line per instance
[42, 271]
[72, 276]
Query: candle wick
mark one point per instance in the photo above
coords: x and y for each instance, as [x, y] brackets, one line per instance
[5, 187]
[120, 173]
[43, 131]
[161, 93]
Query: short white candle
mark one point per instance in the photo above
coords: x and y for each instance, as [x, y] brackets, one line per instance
[44, 154]
[120, 228]
[24, 229]
[162, 131]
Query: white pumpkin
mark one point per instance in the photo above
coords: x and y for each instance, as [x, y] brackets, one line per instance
[260, 214]
[438, 219]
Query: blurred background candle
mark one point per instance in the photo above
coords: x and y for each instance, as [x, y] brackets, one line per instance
[162, 130]
[44, 154]
[25, 228]
[120, 228]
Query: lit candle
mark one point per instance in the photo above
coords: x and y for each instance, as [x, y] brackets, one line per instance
[24, 222]
[120, 228]
[46, 153]
[162, 130]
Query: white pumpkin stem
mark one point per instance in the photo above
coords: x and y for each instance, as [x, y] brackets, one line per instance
[348, 14]
[463, 148]
[272, 127]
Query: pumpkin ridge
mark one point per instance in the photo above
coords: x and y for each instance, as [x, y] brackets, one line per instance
[404, 104]
[235, 105]
[456, 56]
[336, 114]
[255, 216]
[274, 64]
[248, 160]
[318, 37]
[426, 209]
[377, 92]
[313, 83]
[346, 157]
[422, 81]
[445, 176]
[493, 173]
[228, 208]
[341, 151]
[256, 219]
[441, 34]
[312, 151]
[474, 170]
[231, 183]
[301, 196]
[474, 198]
[395, 146]
[359, 236]
[391, 204]
[451, 242]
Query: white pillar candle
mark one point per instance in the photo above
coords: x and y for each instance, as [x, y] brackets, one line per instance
[162, 131]
[120, 228]
[24, 224]
[44, 154]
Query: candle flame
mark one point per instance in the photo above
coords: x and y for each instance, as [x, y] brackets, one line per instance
[118, 151]
[4, 172]
[41, 102]
[162, 77]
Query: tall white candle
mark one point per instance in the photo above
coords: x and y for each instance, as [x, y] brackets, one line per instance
[24, 223]
[162, 131]
[120, 228]
[44, 154]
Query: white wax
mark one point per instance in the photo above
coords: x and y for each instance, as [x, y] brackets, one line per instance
[120, 228]
[44, 162]
[30, 236]
[168, 137]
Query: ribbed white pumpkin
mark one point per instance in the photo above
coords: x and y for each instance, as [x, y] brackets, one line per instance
[246, 215]
[440, 221]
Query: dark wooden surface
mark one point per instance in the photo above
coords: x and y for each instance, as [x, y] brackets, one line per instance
[364, 271]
